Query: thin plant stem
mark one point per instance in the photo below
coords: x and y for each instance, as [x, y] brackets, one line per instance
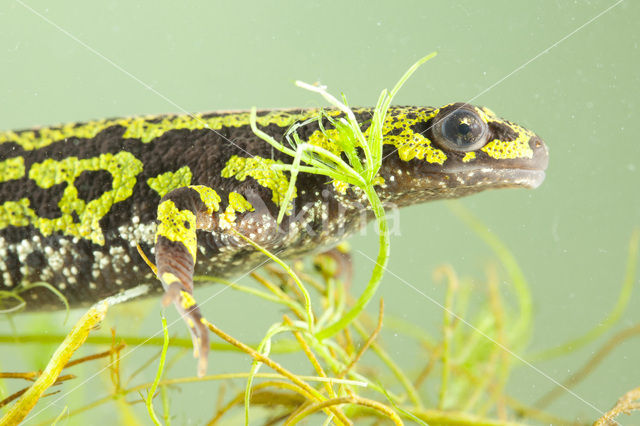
[376, 274]
[447, 331]
[19, 411]
[310, 355]
[256, 388]
[611, 319]
[292, 274]
[521, 328]
[280, 297]
[263, 349]
[629, 402]
[166, 414]
[273, 365]
[367, 343]
[353, 399]
[595, 360]
[104, 354]
[395, 369]
[154, 386]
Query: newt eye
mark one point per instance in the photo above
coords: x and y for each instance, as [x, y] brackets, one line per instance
[460, 130]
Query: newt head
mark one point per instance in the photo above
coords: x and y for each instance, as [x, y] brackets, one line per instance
[456, 150]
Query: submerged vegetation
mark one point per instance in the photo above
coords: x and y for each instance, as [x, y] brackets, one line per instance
[458, 376]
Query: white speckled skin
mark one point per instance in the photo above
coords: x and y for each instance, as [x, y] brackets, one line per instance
[322, 215]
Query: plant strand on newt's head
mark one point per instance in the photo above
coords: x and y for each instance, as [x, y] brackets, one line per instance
[321, 161]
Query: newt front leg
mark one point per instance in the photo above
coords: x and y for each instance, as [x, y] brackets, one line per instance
[180, 213]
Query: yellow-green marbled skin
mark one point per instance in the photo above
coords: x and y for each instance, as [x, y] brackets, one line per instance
[76, 199]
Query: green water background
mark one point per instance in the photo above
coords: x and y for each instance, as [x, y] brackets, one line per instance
[548, 65]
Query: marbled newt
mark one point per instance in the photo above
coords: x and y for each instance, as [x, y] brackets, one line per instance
[76, 199]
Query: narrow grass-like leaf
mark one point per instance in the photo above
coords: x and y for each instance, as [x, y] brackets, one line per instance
[154, 386]
[615, 314]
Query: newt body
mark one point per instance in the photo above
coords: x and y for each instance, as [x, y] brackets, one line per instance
[76, 199]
